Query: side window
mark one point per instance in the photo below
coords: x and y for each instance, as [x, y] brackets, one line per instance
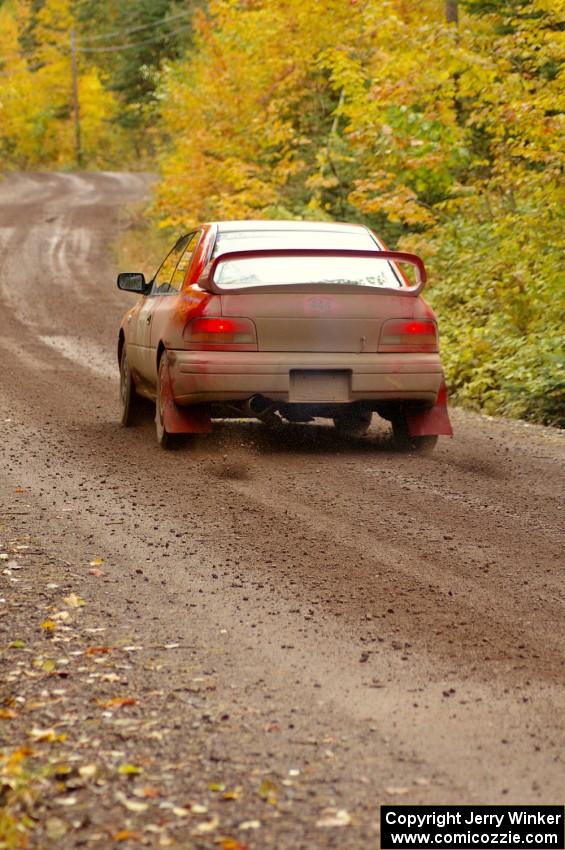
[179, 273]
[164, 275]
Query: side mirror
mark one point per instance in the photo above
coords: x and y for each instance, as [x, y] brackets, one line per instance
[133, 282]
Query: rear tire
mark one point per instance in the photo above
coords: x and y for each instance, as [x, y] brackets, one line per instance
[353, 423]
[163, 437]
[405, 442]
[132, 407]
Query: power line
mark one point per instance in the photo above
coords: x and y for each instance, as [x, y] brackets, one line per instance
[65, 51]
[161, 23]
[116, 47]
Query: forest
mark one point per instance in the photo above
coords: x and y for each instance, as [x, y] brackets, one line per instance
[438, 124]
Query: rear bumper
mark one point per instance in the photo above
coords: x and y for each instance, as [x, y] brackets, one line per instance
[211, 376]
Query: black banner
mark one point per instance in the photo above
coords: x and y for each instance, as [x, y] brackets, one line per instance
[478, 827]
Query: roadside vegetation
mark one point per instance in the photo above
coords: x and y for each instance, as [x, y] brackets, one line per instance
[438, 124]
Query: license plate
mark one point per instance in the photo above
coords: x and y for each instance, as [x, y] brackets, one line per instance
[315, 386]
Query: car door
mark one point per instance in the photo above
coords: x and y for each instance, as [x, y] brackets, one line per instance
[141, 331]
[168, 284]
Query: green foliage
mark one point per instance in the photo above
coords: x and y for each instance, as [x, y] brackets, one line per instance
[137, 37]
[500, 297]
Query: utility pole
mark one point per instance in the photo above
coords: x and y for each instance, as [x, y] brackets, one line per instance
[76, 106]
[452, 12]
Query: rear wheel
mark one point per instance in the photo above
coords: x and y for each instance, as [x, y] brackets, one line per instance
[163, 436]
[132, 407]
[353, 423]
[405, 442]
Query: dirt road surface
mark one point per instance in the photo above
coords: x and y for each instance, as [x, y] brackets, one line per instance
[305, 627]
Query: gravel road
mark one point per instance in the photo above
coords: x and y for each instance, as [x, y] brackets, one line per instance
[376, 627]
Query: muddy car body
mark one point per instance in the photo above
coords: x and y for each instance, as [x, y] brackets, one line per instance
[284, 319]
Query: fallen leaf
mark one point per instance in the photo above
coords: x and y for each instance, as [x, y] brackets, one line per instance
[131, 805]
[19, 755]
[97, 562]
[62, 771]
[87, 771]
[66, 801]
[55, 828]
[155, 829]
[16, 644]
[49, 625]
[334, 818]
[231, 844]
[269, 792]
[250, 824]
[117, 702]
[149, 791]
[110, 677]
[126, 835]
[45, 735]
[7, 714]
[206, 826]
[96, 572]
[19, 489]
[234, 794]
[74, 601]
[98, 650]
[129, 770]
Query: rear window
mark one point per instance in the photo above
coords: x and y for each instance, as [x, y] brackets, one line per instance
[254, 271]
[295, 271]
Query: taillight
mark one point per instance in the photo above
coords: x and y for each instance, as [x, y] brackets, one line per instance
[409, 335]
[218, 333]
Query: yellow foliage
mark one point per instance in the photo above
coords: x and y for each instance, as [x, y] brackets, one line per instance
[36, 114]
[297, 108]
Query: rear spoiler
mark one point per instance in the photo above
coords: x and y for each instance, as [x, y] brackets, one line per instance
[207, 282]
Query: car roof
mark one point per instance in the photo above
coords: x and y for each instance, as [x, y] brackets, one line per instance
[284, 224]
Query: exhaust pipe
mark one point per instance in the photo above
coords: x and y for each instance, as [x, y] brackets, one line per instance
[262, 408]
[257, 405]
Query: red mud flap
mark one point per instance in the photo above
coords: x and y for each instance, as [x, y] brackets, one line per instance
[432, 421]
[181, 420]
